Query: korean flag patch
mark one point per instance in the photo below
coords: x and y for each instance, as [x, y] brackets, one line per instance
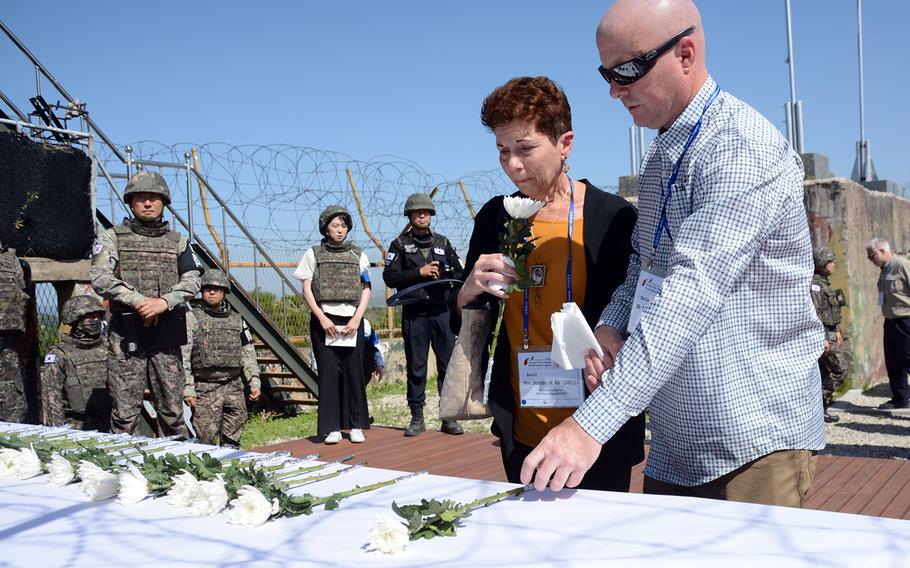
[50, 358]
[96, 249]
[389, 257]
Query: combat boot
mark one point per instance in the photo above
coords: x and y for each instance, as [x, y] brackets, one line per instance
[451, 427]
[416, 426]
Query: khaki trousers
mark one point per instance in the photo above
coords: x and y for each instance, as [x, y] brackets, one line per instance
[779, 478]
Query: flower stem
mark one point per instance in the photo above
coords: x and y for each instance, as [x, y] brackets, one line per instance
[502, 306]
[358, 490]
[487, 501]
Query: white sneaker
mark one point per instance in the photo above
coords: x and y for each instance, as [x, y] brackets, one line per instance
[357, 436]
[334, 437]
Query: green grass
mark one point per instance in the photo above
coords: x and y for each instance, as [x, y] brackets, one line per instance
[264, 428]
[388, 407]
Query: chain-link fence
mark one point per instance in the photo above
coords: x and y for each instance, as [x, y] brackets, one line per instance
[48, 318]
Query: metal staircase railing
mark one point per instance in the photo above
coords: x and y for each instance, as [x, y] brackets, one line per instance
[274, 336]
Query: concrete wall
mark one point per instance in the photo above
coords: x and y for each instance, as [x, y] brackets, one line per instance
[845, 216]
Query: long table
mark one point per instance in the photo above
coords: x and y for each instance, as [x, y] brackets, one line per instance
[42, 525]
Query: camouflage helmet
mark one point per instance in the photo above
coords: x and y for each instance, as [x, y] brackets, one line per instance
[330, 213]
[419, 202]
[217, 278]
[147, 182]
[822, 256]
[78, 306]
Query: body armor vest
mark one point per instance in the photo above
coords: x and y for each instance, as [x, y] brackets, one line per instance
[417, 254]
[216, 341]
[13, 300]
[337, 275]
[828, 302]
[86, 390]
[148, 264]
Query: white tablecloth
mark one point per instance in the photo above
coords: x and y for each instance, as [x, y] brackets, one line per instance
[42, 525]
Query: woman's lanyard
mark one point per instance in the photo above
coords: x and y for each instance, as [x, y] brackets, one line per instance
[663, 224]
[568, 262]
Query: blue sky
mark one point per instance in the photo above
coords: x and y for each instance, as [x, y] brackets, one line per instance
[408, 78]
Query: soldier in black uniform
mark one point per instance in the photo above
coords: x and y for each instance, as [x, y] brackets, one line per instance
[421, 255]
[828, 303]
[74, 374]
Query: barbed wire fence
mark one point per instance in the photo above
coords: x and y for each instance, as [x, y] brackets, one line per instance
[277, 193]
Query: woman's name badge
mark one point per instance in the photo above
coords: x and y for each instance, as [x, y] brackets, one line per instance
[650, 279]
[542, 384]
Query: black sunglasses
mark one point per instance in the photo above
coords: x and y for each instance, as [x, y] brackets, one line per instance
[636, 68]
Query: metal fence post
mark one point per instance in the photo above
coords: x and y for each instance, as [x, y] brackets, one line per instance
[256, 275]
[189, 195]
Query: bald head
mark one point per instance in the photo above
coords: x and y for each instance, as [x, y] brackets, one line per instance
[631, 28]
[648, 23]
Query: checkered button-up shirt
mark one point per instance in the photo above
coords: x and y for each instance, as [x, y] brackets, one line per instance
[726, 355]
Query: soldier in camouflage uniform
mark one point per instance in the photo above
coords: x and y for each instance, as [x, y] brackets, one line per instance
[147, 272]
[13, 305]
[74, 375]
[828, 303]
[219, 360]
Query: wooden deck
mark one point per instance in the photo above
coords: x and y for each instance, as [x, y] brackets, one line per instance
[884, 485]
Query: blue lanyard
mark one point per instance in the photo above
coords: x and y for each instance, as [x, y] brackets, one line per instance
[663, 224]
[571, 229]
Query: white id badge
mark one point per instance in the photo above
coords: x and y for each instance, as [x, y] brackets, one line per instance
[648, 287]
[543, 384]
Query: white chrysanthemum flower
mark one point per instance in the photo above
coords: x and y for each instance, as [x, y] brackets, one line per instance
[60, 471]
[28, 464]
[97, 483]
[8, 459]
[521, 207]
[211, 497]
[133, 486]
[388, 535]
[251, 508]
[183, 492]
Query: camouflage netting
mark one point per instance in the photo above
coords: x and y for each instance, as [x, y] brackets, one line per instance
[45, 201]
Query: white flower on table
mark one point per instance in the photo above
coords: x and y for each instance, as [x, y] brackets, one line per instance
[60, 471]
[388, 535]
[521, 207]
[251, 508]
[97, 483]
[8, 459]
[211, 497]
[28, 464]
[134, 487]
[183, 492]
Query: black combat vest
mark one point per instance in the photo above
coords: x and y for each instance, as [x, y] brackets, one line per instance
[148, 263]
[13, 300]
[86, 389]
[337, 276]
[417, 254]
[216, 341]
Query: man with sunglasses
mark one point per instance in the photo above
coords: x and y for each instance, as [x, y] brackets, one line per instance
[714, 329]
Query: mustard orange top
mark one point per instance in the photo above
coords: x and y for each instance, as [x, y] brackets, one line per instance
[532, 424]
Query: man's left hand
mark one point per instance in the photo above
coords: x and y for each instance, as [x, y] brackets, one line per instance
[564, 455]
[254, 394]
[151, 307]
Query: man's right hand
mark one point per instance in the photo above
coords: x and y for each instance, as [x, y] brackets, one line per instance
[611, 342]
[430, 270]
